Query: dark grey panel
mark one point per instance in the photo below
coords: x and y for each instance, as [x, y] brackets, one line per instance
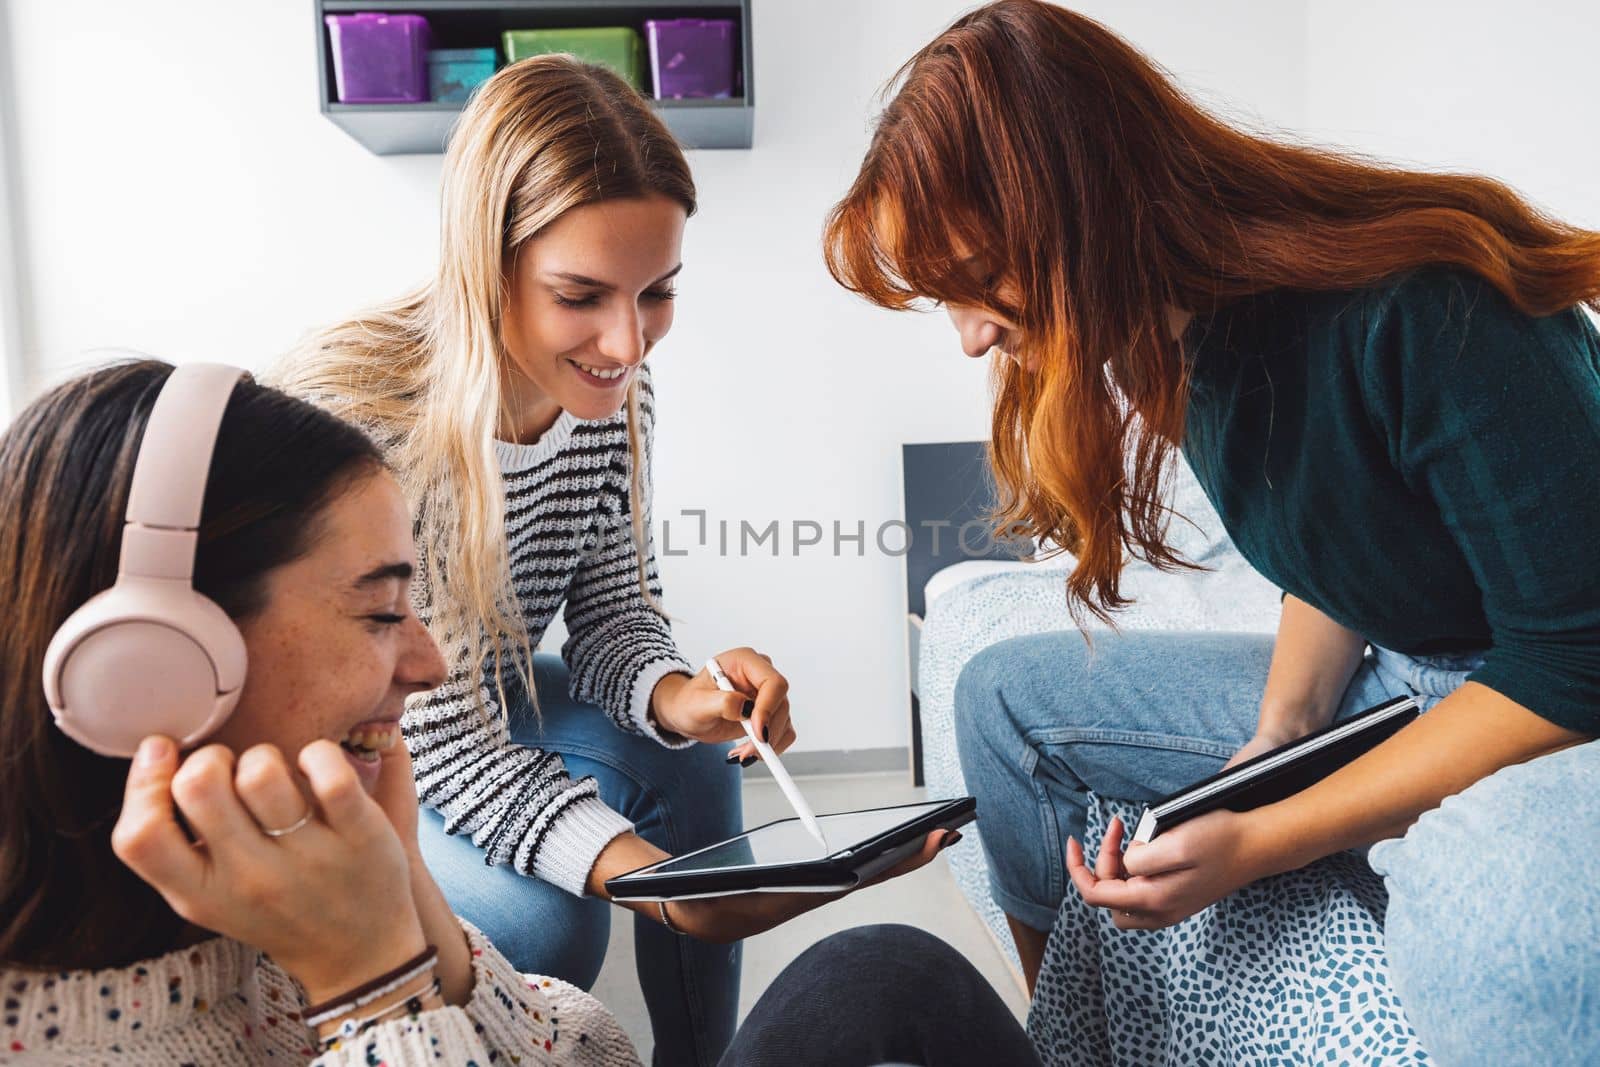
[949, 493]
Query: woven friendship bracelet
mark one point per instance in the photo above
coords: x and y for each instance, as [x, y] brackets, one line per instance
[385, 983]
[411, 1007]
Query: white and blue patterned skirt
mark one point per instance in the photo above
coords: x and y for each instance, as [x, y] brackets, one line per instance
[1289, 970]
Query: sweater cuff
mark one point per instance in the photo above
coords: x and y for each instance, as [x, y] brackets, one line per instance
[644, 685]
[574, 841]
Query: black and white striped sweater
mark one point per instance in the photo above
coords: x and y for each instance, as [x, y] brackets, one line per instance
[568, 528]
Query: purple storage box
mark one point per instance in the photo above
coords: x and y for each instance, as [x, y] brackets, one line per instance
[692, 57]
[379, 59]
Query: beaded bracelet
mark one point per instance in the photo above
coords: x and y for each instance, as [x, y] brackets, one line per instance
[365, 994]
[411, 1007]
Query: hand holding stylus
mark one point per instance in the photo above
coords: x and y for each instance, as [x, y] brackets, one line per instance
[696, 708]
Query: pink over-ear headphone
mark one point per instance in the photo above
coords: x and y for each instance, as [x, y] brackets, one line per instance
[150, 655]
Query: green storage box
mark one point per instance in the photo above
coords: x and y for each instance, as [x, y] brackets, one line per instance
[618, 47]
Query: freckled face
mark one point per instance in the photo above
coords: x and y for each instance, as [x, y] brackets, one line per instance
[336, 649]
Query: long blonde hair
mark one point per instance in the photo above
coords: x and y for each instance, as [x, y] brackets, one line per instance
[423, 373]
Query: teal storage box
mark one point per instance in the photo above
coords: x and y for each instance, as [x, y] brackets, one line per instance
[617, 47]
[454, 72]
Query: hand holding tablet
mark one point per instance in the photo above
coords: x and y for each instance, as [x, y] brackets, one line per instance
[764, 877]
[782, 856]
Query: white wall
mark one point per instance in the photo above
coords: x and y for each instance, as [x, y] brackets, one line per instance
[13, 304]
[188, 199]
[1474, 85]
[185, 196]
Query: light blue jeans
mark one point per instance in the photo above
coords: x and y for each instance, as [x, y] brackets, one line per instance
[1493, 925]
[677, 800]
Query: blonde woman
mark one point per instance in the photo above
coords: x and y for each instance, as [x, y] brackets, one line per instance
[512, 398]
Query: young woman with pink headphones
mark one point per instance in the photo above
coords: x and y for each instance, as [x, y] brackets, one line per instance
[212, 577]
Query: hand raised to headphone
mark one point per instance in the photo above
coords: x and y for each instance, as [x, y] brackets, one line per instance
[329, 900]
[396, 795]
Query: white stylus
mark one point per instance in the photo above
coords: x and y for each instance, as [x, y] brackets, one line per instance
[779, 775]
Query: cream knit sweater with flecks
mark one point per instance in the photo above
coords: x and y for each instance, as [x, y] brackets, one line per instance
[223, 1002]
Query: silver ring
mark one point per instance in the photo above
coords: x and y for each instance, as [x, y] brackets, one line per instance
[287, 830]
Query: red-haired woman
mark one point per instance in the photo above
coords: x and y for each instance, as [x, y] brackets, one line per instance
[1386, 384]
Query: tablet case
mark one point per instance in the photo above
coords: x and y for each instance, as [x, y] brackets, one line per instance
[1281, 773]
[839, 871]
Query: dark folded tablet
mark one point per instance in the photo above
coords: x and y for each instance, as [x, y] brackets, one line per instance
[1283, 772]
[782, 857]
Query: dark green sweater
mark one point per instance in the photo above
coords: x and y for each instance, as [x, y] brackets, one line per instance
[1421, 462]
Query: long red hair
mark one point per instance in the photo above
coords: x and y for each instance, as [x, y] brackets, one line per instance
[1102, 195]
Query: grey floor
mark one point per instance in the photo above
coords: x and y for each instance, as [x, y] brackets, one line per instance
[928, 899]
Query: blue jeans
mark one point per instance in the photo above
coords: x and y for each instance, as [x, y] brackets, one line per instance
[678, 800]
[1494, 911]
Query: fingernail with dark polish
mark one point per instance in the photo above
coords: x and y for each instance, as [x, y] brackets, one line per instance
[733, 757]
[747, 761]
[749, 706]
[949, 839]
[766, 734]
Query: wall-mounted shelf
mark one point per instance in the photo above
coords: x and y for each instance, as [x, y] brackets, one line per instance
[401, 129]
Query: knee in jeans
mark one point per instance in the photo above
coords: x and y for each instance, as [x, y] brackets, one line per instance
[978, 684]
[981, 693]
[716, 780]
[1005, 672]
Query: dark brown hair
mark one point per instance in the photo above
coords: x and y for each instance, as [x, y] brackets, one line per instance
[1070, 163]
[66, 464]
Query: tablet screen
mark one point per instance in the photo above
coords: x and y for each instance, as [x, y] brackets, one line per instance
[789, 842]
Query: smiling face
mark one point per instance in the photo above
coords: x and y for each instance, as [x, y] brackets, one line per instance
[587, 300]
[336, 649]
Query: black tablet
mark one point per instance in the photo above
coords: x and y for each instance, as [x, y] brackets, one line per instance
[782, 857]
